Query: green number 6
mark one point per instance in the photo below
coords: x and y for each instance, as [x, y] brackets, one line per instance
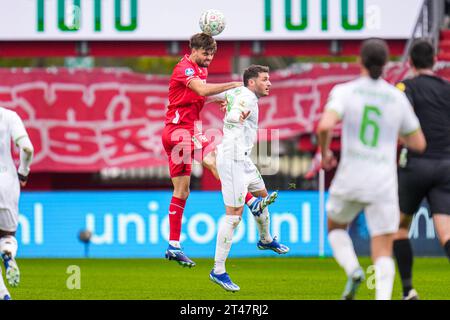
[370, 116]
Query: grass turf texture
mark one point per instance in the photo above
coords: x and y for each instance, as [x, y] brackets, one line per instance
[280, 278]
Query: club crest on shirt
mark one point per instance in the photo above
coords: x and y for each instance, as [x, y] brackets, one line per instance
[189, 72]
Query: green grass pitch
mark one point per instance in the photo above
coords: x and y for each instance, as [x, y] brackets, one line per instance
[278, 278]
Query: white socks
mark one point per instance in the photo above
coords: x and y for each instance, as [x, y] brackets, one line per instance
[263, 225]
[384, 278]
[3, 290]
[224, 241]
[343, 250]
[8, 244]
[175, 244]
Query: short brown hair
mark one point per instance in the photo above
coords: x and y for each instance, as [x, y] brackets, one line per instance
[253, 72]
[203, 41]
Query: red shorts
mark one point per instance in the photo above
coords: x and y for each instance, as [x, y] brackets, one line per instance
[182, 145]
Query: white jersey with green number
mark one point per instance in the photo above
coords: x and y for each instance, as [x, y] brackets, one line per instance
[373, 114]
[239, 138]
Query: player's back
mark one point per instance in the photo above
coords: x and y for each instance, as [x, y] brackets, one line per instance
[373, 113]
[9, 183]
[184, 104]
[6, 160]
[430, 97]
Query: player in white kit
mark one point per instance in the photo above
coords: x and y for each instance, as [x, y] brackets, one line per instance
[238, 174]
[374, 114]
[11, 179]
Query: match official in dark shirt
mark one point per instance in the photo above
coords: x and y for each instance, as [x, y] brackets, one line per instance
[426, 175]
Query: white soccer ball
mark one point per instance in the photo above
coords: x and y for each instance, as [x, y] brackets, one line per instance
[212, 22]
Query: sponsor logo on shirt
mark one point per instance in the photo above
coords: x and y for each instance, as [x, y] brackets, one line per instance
[189, 72]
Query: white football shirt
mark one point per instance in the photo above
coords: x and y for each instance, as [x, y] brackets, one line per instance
[373, 113]
[238, 138]
[11, 128]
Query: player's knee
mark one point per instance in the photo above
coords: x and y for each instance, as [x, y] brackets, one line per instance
[402, 233]
[232, 220]
[442, 227]
[234, 211]
[332, 225]
[260, 193]
[181, 193]
[7, 233]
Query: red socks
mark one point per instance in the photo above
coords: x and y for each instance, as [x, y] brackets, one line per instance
[249, 197]
[176, 209]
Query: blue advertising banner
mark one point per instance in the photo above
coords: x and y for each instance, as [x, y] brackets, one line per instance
[135, 225]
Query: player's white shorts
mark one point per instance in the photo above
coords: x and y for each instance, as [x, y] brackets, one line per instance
[382, 217]
[9, 220]
[237, 178]
[9, 202]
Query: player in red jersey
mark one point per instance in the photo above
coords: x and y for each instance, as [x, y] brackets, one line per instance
[187, 94]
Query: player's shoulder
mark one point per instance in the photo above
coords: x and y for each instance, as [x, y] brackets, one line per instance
[242, 96]
[421, 81]
[240, 92]
[344, 87]
[184, 61]
[248, 95]
[8, 113]
[185, 67]
[397, 90]
[404, 84]
[9, 116]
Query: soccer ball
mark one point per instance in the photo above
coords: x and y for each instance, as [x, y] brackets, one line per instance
[212, 22]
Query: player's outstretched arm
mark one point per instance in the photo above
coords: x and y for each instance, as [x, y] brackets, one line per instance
[209, 89]
[218, 99]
